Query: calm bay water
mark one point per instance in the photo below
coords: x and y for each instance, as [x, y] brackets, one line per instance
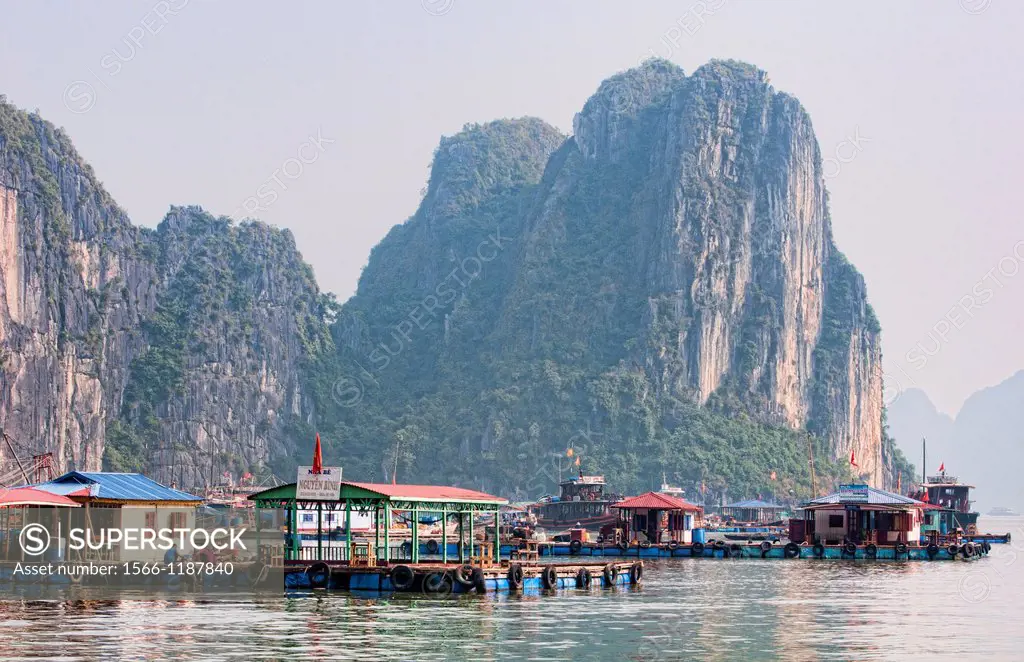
[685, 609]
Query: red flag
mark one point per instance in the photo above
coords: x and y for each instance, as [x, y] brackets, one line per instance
[924, 497]
[318, 458]
[942, 468]
[853, 459]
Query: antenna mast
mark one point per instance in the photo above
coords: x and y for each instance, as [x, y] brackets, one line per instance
[810, 462]
[924, 460]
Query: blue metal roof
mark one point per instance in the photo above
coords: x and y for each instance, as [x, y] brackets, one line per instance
[756, 503]
[865, 495]
[117, 486]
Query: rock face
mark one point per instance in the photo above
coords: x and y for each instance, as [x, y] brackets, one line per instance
[184, 342]
[679, 242]
[732, 233]
[660, 292]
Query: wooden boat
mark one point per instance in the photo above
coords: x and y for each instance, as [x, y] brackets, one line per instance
[582, 503]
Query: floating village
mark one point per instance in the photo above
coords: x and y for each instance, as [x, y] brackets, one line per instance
[324, 533]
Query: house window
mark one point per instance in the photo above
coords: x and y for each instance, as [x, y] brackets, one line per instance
[151, 520]
[835, 521]
[307, 517]
[176, 520]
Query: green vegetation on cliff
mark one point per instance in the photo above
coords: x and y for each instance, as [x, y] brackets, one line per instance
[574, 333]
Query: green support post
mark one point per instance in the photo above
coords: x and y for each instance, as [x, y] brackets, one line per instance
[444, 536]
[462, 544]
[472, 541]
[497, 536]
[348, 532]
[376, 531]
[387, 533]
[293, 529]
[415, 536]
[259, 550]
[319, 532]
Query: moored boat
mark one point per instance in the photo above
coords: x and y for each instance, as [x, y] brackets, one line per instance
[582, 503]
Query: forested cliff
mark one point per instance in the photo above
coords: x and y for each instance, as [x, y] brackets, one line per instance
[659, 291]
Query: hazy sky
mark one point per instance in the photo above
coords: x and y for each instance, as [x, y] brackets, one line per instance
[201, 101]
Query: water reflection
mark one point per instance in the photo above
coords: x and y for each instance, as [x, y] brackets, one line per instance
[686, 609]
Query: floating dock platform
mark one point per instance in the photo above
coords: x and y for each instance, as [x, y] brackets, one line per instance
[442, 579]
[765, 550]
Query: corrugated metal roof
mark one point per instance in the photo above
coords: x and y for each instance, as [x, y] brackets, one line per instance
[657, 501]
[756, 503]
[30, 496]
[115, 486]
[863, 494]
[426, 492]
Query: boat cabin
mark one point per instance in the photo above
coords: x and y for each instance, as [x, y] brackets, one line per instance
[862, 514]
[951, 502]
[657, 518]
[582, 503]
[582, 488]
[946, 492]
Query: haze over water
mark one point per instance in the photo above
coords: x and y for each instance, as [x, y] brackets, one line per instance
[685, 609]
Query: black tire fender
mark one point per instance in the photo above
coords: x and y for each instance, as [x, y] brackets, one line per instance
[479, 585]
[464, 574]
[319, 575]
[515, 577]
[402, 577]
[549, 577]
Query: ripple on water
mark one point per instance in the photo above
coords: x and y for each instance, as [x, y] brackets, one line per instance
[687, 608]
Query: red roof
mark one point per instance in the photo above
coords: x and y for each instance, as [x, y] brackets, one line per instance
[436, 492]
[29, 496]
[656, 501]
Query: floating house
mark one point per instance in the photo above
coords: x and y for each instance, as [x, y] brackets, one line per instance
[754, 511]
[21, 506]
[375, 564]
[373, 503]
[658, 518]
[861, 514]
[124, 501]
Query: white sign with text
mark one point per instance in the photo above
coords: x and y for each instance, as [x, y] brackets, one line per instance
[323, 486]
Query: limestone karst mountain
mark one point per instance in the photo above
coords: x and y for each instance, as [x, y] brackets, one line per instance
[660, 291]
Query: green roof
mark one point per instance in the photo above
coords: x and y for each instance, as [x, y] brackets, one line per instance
[400, 496]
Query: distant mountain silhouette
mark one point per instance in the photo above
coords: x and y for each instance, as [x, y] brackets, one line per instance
[983, 446]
